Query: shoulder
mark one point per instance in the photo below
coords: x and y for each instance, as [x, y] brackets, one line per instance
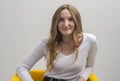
[43, 40]
[91, 37]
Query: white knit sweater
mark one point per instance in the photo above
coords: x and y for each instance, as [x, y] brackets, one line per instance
[64, 67]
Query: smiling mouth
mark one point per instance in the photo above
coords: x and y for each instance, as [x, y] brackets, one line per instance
[66, 28]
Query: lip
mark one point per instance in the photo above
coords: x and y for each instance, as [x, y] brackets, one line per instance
[66, 28]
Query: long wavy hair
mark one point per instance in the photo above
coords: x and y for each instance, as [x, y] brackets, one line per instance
[55, 37]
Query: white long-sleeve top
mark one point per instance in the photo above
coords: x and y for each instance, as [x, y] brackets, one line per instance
[64, 66]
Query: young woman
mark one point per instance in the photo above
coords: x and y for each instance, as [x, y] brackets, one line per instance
[70, 53]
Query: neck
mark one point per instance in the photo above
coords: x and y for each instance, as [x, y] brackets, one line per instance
[67, 39]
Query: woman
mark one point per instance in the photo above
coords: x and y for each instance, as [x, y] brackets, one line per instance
[70, 53]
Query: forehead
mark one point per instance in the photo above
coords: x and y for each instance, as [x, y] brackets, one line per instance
[65, 13]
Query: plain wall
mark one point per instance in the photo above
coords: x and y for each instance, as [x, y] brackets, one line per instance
[24, 22]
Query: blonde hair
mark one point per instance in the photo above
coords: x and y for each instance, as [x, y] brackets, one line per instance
[55, 36]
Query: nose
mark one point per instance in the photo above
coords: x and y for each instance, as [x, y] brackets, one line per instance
[66, 23]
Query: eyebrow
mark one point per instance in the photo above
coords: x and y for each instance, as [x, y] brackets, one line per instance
[69, 17]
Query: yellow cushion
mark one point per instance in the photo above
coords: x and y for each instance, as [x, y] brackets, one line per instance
[37, 75]
[93, 77]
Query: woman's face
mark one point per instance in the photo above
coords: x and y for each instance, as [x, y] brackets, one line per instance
[66, 24]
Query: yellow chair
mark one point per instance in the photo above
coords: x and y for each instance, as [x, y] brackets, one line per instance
[93, 77]
[38, 75]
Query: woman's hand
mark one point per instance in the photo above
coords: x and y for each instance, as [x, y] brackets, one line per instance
[81, 79]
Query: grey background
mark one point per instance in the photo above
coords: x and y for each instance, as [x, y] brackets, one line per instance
[24, 22]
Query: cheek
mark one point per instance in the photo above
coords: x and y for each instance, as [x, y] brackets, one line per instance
[59, 28]
[60, 24]
[73, 24]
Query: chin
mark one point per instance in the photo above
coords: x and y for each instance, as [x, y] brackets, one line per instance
[67, 34]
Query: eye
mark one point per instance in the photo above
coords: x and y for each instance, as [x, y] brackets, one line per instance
[70, 19]
[61, 19]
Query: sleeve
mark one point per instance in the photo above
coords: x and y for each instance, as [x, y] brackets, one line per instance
[91, 57]
[36, 54]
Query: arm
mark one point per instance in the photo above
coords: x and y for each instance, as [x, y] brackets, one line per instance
[29, 61]
[90, 59]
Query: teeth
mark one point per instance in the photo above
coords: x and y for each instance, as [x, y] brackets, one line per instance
[66, 28]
